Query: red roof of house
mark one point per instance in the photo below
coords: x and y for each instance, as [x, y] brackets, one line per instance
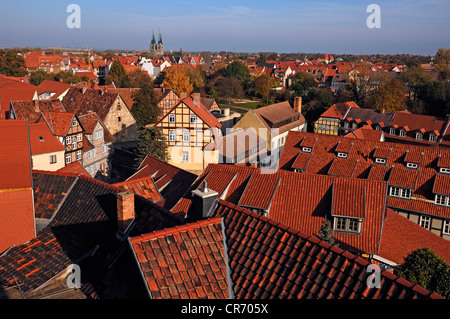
[74, 168]
[14, 94]
[339, 110]
[31, 110]
[186, 262]
[59, 122]
[55, 87]
[42, 139]
[16, 193]
[144, 187]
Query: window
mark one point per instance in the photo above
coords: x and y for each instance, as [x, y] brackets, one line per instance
[380, 160]
[306, 149]
[392, 131]
[441, 200]
[347, 224]
[192, 119]
[394, 191]
[185, 157]
[68, 140]
[119, 119]
[79, 137]
[52, 159]
[446, 227]
[355, 126]
[74, 123]
[402, 133]
[167, 102]
[98, 134]
[74, 144]
[419, 136]
[171, 118]
[186, 137]
[411, 165]
[342, 155]
[425, 221]
[78, 155]
[68, 159]
[172, 136]
[432, 137]
[444, 170]
[105, 148]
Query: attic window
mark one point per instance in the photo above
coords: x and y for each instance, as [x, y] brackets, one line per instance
[419, 136]
[342, 155]
[306, 149]
[350, 225]
[402, 133]
[432, 137]
[380, 160]
[412, 165]
[392, 131]
[74, 123]
[444, 170]
[41, 139]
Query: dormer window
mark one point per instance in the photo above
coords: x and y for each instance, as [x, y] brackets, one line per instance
[444, 170]
[380, 160]
[432, 137]
[392, 131]
[342, 155]
[344, 224]
[306, 149]
[402, 133]
[442, 200]
[412, 165]
[399, 192]
[419, 136]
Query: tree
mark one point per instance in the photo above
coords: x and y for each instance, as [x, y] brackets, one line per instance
[136, 79]
[239, 71]
[196, 77]
[12, 64]
[229, 88]
[66, 77]
[442, 59]
[326, 232]
[39, 76]
[178, 80]
[262, 86]
[152, 142]
[425, 268]
[302, 83]
[116, 73]
[390, 95]
[145, 106]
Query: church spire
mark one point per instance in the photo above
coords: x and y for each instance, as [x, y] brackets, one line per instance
[160, 38]
[153, 38]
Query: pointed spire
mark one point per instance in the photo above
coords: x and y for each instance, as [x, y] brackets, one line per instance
[160, 38]
[153, 37]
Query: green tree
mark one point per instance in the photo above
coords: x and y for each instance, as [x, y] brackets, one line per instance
[442, 59]
[136, 79]
[151, 141]
[116, 74]
[425, 268]
[12, 64]
[326, 232]
[145, 106]
[302, 83]
[239, 71]
[66, 77]
[39, 76]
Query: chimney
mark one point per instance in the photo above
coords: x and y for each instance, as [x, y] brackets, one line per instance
[196, 98]
[298, 104]
[36, 106]
[202, 202]
[226, 111]
[125, 210]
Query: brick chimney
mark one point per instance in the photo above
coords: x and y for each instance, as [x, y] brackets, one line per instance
[202, 203]
[125, 210]
[36, 106]
[196, 98]
[298, 104]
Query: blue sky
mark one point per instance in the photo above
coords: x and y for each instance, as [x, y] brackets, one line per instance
[416, 27]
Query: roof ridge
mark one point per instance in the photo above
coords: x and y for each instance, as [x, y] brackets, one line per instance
[56, 173]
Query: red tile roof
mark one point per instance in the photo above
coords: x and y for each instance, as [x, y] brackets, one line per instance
[74, 168]
[59, 122]
[186, 262]
[441, 184]
[55, 87]
[42, 140]
[402, 177]
[144, 187]
[31, 110]
[339, 110]
[16, 193]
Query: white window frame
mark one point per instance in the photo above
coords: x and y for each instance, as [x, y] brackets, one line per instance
[186, 136]
[392, 131]
[74, 123]
[380, 160]
[425, 221]
[402, 133]
[74, 144]
[419, 136]
[192, 119]
[446, 227]
[68, 140]
[342, 155]
[306, 149]
[105, 148]
[432, 137]
[394, 191]
[79, 155]
[185, 157]
[444, 170]
[172, 136]
[79, 137]
[412, 165]
[68, 158]
[172, 118]
[345, 224]
[441, 200]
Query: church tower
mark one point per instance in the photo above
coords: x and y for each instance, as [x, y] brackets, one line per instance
[160, 45]
[153, 52]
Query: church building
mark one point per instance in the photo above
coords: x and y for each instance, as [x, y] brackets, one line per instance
[156, 50]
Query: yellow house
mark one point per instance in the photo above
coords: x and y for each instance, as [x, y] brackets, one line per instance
[47, 152]
[192, 134]
[328, 122]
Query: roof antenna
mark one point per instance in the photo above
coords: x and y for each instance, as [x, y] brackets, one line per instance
[205, 186]
[17, 284]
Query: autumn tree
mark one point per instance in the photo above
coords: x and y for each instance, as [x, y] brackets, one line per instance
[239, 71]
[38, 76]
[136, 79]
[196, 76]
[302, 83]
[442, 59]
[12, 64]
[229, 88]
[178, 80]
[390, 95]
[262, 86]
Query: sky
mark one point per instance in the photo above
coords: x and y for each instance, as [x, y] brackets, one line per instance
[287, 26]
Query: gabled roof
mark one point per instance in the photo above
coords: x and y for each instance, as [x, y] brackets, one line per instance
[31, 110]
[339, 110]
[274, 114]
[55, 87]
[59, 122]
[74, 167]
[144, 186]
[42, 139]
